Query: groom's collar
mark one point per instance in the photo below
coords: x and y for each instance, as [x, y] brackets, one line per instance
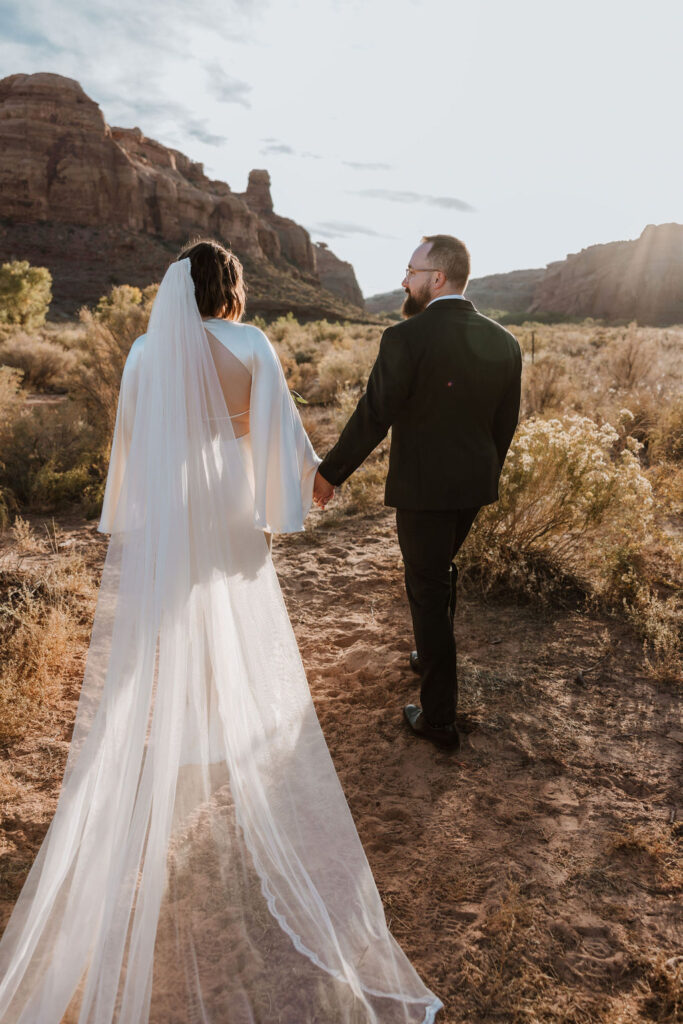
[452, 302]
[440, 298]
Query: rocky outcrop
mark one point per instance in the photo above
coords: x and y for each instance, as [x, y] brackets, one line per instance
[294, 241]
[512, 292]
[101, 205]
[337, 275]
[385, 302]
[636, 280]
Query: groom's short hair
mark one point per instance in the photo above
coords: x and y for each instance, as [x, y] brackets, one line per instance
[451, 256]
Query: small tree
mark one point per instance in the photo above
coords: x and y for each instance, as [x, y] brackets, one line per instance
[25, 293]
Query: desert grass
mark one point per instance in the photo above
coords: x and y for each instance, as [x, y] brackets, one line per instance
[46, 603]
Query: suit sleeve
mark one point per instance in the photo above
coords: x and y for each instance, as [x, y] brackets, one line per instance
[389, 386]
[506, 416]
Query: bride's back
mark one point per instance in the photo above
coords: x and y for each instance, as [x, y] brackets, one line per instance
[233, 375]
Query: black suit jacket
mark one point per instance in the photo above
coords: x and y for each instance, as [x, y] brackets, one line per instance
[447, 381]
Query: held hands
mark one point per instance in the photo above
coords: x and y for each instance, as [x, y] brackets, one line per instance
[322, 491]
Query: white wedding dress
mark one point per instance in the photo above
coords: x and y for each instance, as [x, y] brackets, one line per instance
[202, 866]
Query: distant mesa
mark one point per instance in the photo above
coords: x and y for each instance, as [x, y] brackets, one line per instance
[638, 280]
[101, 205]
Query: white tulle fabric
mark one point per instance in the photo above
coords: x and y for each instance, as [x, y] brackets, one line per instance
[202, 864]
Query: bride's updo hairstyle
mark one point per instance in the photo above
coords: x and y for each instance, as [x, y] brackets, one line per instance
[219, 286]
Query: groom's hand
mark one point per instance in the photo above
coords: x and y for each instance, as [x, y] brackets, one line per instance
[322, 491]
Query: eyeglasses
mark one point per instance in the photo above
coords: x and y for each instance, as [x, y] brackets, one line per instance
[421, 270]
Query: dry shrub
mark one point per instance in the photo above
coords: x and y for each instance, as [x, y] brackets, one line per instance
[108, 334]
[658, 621]
[576, 512]
[11, 404]
[564, 496]
[339, 369]
[543, 385]
[321, 358]
[45, 615]
[666, 434]
[345, 404]
[26, 541]
[46, 365]
[11, 400]
[50, 457]
[631, 358]
[667, 484]
[363, 492]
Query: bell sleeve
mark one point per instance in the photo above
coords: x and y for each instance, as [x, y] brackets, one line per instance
[123, 431]
[285, 462]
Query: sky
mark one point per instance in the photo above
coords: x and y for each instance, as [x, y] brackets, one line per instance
[529, 129]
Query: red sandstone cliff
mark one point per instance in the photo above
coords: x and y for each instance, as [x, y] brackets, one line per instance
[101, 205]
[337, 275]
[638, 280]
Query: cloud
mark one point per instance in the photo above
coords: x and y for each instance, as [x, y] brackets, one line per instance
[445, 202]
[274, 145]
[341, 229]
[358, 165]
[226, 88]
[278, 147]
[196, 131]
[284, 149]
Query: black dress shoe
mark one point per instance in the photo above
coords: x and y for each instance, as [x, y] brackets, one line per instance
[443, 735]
[415, 663]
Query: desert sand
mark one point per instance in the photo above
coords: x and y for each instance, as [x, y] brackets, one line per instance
[532, 876]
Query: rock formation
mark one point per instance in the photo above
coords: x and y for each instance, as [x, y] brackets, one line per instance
[294, 242]
[637, 280]
[337, 275]
[101, 205]
[512, 292]
[385, 302]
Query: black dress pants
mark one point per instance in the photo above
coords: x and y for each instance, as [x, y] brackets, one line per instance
[429, 542]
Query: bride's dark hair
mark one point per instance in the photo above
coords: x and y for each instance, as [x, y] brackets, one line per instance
[218, 278]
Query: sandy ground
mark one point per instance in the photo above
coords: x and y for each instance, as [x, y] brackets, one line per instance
[535, 875]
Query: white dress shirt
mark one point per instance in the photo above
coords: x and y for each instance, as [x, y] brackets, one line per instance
[446, 297]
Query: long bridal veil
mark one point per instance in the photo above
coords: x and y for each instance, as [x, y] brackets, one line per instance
[202, 865]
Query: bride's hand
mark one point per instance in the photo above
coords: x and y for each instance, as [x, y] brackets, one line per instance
[322, 491]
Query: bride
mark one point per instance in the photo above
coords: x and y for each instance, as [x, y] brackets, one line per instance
[202, 864]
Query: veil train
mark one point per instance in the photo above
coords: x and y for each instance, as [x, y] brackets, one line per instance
[202, 864]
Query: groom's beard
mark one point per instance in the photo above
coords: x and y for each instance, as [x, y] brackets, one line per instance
[415, 302]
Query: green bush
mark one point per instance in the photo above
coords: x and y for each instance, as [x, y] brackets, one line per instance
[25, 293]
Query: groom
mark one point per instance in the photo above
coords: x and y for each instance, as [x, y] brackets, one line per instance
[447, 381]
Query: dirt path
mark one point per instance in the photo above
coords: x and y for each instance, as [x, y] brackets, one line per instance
[533, 876]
